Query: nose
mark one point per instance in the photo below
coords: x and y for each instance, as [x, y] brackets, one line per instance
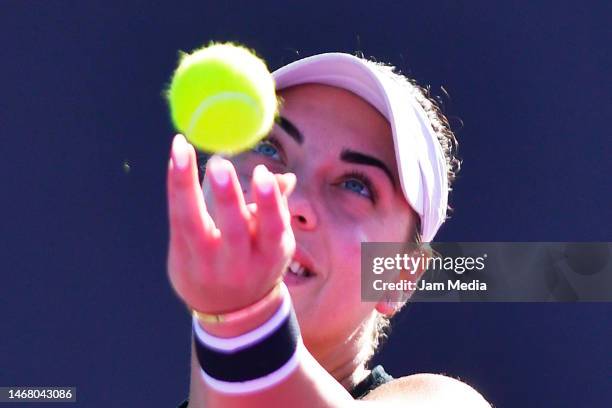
[302, 213]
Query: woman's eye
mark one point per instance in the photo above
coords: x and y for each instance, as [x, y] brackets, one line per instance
[358, 187]
[267, 148]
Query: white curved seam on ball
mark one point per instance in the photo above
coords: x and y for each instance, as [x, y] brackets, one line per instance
[215, 98]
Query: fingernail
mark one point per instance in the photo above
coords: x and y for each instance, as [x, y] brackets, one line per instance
[291, 179]
[180, 151]
[219, 171]
[264, 180]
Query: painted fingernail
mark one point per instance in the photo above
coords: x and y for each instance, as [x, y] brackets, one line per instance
[180, 150]
[219, 171]
[264, 180]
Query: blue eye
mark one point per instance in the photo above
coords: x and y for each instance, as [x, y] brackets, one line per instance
[267, 148]
[360, 183]
[358, 187]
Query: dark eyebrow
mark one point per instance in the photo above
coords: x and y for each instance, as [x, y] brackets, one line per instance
[351, 156]
[347, 155]
[290, 129]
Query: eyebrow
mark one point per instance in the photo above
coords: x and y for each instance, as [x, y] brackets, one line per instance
[351, 156]
[347, 155]
[290, 129]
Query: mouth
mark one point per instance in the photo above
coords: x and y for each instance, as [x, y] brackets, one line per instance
[300, 269]
[297, 269]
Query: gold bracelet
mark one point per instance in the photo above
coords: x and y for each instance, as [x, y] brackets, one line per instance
[238, 314]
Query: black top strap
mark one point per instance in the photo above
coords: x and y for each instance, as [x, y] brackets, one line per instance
[377, 377]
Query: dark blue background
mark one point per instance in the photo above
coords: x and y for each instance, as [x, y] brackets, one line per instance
[84, 299]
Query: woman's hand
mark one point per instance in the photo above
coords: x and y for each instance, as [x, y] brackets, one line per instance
[229, 262]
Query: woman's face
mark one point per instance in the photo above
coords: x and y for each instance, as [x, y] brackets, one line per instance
[340, 148]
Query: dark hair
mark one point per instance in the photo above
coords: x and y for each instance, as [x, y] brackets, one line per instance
[439, 122]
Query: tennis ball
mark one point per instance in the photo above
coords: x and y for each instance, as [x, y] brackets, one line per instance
[222, 98]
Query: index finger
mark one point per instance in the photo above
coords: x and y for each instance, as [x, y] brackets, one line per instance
[189, 218]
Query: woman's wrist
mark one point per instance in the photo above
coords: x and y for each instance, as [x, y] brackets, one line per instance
[252, 360]
[244, 320]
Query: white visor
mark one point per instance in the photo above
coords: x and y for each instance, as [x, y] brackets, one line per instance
[420, 159]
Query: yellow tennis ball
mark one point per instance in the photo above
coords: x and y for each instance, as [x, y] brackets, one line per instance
[222, 98]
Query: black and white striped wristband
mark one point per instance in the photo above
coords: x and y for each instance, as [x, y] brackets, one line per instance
[255, 360]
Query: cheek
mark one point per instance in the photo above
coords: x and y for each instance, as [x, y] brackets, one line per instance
[345, 251]
[345, 279]
[347, 256]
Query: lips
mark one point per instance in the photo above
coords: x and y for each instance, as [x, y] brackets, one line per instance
[300, 266]
[298, 269]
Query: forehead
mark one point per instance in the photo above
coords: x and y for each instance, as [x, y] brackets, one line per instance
[337, 117]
